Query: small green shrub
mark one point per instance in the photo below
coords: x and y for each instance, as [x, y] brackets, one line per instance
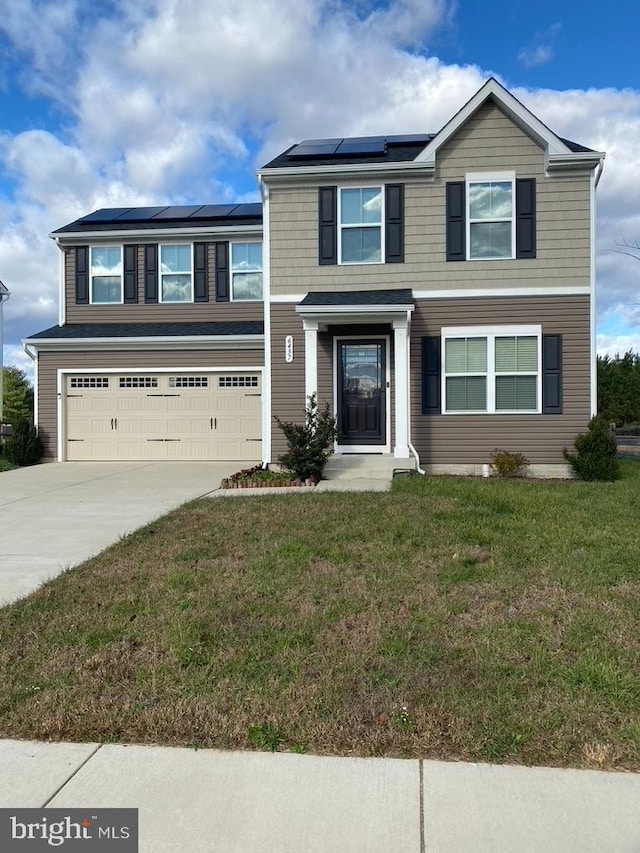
[309, 444]
[507, 464]
[596, 456]
[23, 447]
[265, 736]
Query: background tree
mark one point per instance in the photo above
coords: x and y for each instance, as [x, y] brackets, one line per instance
[17, 395]
[619, 388]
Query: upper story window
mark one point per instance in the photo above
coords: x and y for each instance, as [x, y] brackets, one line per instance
[490, 216]
[176, 282]
[360, 218]
[246, 271]
[492, 369]
[106, 275]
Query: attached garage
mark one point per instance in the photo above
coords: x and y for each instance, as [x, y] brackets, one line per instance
[158, 415]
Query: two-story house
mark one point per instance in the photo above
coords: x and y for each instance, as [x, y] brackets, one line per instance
[436, 289]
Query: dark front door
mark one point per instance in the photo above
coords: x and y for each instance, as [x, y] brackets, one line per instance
[361, 392]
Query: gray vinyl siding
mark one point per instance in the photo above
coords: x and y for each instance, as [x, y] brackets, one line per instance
[50, 362]
[469, 439]
[140, 312]
[287, 380]
[489, 141]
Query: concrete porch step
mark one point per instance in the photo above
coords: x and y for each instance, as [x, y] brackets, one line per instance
[370, 466]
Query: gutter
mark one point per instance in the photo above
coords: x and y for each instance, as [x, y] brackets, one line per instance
[148, 234]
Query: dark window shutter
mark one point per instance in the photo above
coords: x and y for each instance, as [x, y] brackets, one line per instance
[456, 224]
[394, 225]
[327, 225]
[151, 273]
[82, 275]
[222, 271]
[431, 383]
[552, 374]
[526, 218]
[200, 274]
[130, 274]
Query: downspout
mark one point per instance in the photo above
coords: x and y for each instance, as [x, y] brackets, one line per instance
[414, 452]
[4, 297]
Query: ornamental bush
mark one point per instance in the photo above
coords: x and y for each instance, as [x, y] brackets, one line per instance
[596, 456]
[23, 447]
[506, 464]
[309, 444]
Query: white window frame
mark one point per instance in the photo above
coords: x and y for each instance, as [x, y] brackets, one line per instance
[482, 178]
[233, 243]
[92, 301]
[491, 333]
[380, 225]
[180, 272]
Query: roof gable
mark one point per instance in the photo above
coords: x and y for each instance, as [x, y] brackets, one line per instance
[546, 138]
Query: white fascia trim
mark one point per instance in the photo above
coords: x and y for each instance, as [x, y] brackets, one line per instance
[466, 293]
[62, 301]
[315, 310]
[592, 300]
[576, 160]
[151, 234]
[134, 370]
[353, 169]
[573, 290]
[498, 331]
[186, 341]
[266, 291]
[516, 110]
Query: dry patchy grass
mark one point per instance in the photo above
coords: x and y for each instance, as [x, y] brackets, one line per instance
[450, 618]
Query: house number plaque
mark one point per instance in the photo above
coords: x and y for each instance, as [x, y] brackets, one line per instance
[288, 349]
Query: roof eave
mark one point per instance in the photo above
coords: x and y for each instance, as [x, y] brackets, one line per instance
[344, 169]
[144, 342]
[213, 230]
[576, 160]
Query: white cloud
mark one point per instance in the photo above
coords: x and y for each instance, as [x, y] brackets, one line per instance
[613, 345]
[541, 49]
[170, 100]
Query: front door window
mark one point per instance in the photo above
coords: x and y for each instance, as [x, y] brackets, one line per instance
[361, 392]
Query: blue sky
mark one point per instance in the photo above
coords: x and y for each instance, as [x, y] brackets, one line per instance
[176, 101]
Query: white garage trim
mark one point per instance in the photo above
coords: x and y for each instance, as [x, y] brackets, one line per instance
[62, 373]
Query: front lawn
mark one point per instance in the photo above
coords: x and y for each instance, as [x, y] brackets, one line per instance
[479, 620]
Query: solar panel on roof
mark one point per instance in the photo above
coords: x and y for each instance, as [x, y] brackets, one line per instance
[213, 211]
[363, 145]
[105, 214]
[253, 208]
[409, 139]
[180, 211]
[315, 148]
[136, 214]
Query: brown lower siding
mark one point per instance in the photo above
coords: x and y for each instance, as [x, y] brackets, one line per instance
[469, 439]
[50, 362]
[455, 439]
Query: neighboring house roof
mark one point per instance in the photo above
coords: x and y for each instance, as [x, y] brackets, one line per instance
[147, 330]
[180, 216]
[4, 290]
[359, 297]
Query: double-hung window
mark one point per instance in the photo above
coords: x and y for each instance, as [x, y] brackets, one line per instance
[491, 229]
[106, 275]
[360, 218]
[492, 369]
[176, 280]
[246, 271]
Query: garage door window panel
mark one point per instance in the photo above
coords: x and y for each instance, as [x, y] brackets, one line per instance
[176, 278]
[106, 275]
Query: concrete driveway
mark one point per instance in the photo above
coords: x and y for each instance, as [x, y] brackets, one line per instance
[54, 516]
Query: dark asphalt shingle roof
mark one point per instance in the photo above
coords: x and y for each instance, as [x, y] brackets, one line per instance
[178, 216]
[359, 297]
[148, 330]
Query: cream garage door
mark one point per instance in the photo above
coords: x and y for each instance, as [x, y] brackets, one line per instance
[178, 415]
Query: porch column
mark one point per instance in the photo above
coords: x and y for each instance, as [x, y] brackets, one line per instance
[401, 387]
[310, 358]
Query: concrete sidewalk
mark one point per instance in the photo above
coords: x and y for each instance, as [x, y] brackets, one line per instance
[234, 802]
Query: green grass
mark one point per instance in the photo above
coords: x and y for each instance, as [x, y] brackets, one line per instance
[469, 619]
